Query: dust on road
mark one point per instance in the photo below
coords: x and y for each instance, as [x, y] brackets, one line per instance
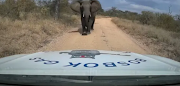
[106, 36]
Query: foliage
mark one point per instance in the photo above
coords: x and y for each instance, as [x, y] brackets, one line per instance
[146, 17]
[114, 12]
[19, 9]
[9, 8]
[162, 20]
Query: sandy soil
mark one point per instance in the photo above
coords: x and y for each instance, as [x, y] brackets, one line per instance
[106, 36]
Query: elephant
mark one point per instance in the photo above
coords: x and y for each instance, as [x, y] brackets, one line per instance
[87, 9]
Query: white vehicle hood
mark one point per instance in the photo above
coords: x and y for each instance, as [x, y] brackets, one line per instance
[107, 63]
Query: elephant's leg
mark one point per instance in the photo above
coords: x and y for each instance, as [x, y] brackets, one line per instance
[84, 31]
[89, 27]
[87, 30]
[92, 25]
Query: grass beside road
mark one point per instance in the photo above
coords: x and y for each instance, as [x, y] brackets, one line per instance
[23, 36]
[160, 41]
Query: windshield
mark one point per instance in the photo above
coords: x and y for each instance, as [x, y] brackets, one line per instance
[144, 27]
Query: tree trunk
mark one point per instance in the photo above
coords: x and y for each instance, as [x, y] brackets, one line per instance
[56, 17]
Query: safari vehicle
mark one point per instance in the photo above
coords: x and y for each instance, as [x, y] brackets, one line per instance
[88, 68]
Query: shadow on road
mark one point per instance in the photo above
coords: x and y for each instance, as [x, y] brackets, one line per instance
[75, 31]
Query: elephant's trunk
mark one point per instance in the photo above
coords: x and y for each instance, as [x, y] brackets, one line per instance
[87, 19]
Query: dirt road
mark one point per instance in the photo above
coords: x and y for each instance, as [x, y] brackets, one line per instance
[106, 36]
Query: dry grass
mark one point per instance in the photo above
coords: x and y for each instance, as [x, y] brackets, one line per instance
[23, 36]
[163, 42]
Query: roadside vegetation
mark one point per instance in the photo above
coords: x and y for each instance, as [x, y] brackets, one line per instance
[159, 31]
[26, 25]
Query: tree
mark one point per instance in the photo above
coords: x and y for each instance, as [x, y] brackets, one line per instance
[170, 10]
[112, 12]
[101, 11]
[177, 17]
[57, 6]
[146, 17]
[56, 17]
[25, 6]
[14, 8]
[9, 8]
[166, 21]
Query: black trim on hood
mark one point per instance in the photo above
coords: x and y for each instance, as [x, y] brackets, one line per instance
[57, 80]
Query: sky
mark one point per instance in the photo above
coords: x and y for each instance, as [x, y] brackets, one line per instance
[140, 5]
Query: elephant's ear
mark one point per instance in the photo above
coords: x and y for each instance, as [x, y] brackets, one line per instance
[95, 6]
[75, 6]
